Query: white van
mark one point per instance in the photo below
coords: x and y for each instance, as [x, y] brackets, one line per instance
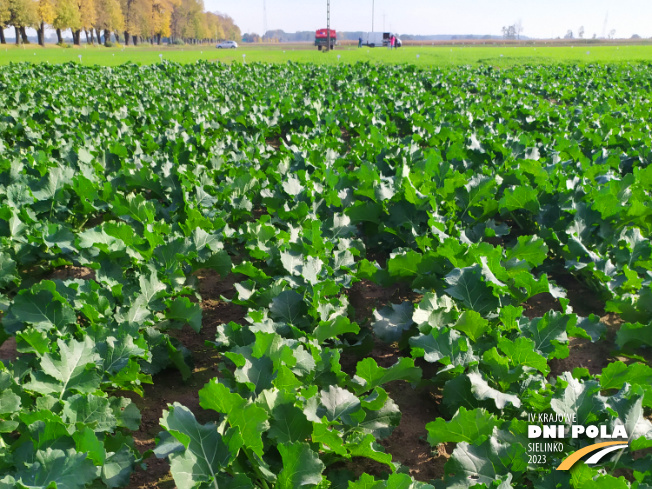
[373, 39]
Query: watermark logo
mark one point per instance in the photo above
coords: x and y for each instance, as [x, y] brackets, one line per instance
[603, 449]
[551, 430]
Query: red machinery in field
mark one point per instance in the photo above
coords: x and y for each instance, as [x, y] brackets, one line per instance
[322, 38]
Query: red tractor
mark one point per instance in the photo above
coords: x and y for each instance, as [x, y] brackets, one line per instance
[321, 38]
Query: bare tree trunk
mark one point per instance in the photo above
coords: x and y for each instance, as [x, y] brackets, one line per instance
[107, 36]
[40, 34]
[59, 36]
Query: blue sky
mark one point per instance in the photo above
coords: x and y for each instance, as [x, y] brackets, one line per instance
[542, 18]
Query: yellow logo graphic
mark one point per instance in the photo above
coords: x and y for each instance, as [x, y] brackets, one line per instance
[604, 448]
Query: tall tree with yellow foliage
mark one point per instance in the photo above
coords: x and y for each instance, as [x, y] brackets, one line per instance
[67, 17]
[161, 18]
[87, 16]
[22, 14]
[5, 15]
[46, 14]
[109, 19]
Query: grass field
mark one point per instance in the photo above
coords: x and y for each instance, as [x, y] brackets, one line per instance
[421, 55]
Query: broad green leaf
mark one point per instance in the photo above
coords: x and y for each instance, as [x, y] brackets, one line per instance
[390, 322]
[446, 346]
[521, 351]
[332, 328]
[73, 368]
[251, 420]
[289, 424]
[616, 374]
[92, 411]
[484, 392]
[57, 468]
[337, 402]
[549, 333]
[472, 324]
[301, 466]
[468, 286]
[581, 398]
[470, 426]
[369, 375]
[206, 452]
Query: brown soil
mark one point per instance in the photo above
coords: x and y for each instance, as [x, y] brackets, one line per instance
[407, 444]
[8, 349]
[71, 272]
[365, 296]
[583, 353]
[169, 386]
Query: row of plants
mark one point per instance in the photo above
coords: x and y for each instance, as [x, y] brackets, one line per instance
[475, 188]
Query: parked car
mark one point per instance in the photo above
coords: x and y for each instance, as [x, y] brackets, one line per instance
[377, 39]
[227, 45]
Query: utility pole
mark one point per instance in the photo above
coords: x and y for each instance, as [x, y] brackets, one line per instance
[328, 23]
[264, 18]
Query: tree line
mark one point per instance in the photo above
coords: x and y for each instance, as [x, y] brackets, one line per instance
[128, 21]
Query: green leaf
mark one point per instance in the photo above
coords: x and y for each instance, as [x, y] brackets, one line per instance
[576, 397]
[369, 375]
[42, 307]
[206, 452]
[301, 466]
[7, 270]
[468, 286]
[117, 469]
[92, 411]
[337, 402]
[332, 328]
[484, 392]
[549, 333]
[289, 424]
[634, 335]
[530, 249]
[520, 197]
[367, 447]
[522, 352]
[330, 440]
[616, 374]
[251, 420]
[57, 468]
[471, 426]
[472, 324]
[390, 322]
[181, 309]
[485, 463]
[72, 369]
[446, 346]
